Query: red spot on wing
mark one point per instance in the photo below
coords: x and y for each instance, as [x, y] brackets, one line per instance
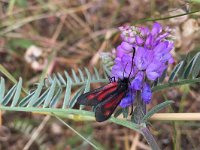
[103, 92]
[114, 101]
[107, 90]
[112, 84]
[91, 96]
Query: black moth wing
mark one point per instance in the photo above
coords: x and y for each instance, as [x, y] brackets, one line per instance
[104, 110]
[97, 96]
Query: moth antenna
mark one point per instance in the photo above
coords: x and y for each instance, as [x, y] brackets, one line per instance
[132, 62]
[124, 69]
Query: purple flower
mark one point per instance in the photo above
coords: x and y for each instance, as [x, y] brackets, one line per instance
[149, 41]
[157, 29]
[144, 31]
[146, 93]
[161, 52]
[122, 67]
[155, 70]
[137, 81]
[126, 46]
[120, 51]
[128, 99]
[152, 55]
[139, 40]
[142, 58]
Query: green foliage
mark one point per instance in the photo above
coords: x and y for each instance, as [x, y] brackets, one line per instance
[185, 72]
[186, 69]
[22, 3]
[48, 96]
[54, 94]
[156, 109]
[20, 43]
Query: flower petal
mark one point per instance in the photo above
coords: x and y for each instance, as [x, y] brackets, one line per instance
[142, 58]
[146, 93]
[137, 81]
[126, 46]
[157, 28]
[127, 100]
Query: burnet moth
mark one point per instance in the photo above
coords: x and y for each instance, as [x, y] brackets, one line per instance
[106, 99]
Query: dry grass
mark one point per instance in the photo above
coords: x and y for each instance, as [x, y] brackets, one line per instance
[73, 33]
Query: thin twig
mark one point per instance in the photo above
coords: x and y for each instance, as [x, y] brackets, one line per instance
[150, 139]
[176, 116]
[36, 133]
[42, 16]
[85, 139]
[102, 48]
[135, 141]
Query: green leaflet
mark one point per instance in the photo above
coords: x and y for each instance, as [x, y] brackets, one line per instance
[156, 109]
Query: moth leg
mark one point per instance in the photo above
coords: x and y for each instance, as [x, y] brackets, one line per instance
[112, 79]
[131, 105]
[131, 109]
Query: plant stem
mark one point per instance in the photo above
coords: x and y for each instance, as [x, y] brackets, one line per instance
[176, 117]
[140, 110]
[173, 84]
[149, 138]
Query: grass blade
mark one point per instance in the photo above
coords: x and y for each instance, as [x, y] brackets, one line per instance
[175, 71]
[50, 94]
[81, 75]
[17, 93]
[62, 79]
[75, 97]
[25, 100]
[67, 92]
[157, 108]
[76, 79]
[2, 89]
[9, 95]
[36, 94]
[56, 98]
[41, 99]
[196, 67]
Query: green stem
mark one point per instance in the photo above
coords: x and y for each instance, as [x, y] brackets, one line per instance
[77, 115]
[149, 138]
[173, 84]
[164, 18]
[140, 110]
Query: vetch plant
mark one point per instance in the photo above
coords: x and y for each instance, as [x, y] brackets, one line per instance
[140, 59]
[136, 70]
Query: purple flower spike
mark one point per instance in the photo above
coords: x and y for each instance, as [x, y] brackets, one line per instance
[152, 55]
[146, 93]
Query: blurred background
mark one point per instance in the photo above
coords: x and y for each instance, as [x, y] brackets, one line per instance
[64, 34]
